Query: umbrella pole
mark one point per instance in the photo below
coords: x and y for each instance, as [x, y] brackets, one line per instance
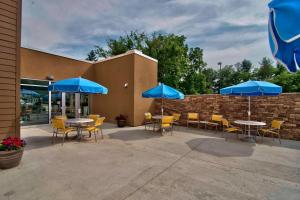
[249, 114]
[162, 107]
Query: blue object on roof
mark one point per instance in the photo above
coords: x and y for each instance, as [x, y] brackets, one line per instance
[253, 88]
[163, 91]
[284, 32]
[78, 85]
[29, 92]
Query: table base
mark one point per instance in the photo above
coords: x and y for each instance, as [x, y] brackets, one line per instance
[248, 139]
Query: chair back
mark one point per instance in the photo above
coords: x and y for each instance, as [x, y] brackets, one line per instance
[94, 117]
[167, 120]
[54, 123]
[60, 124]
[64, 117]
[193, 116]
[148, 116]
[176, 116]
[276, 124]
[216, 118]
[225, 123]
[99, 121]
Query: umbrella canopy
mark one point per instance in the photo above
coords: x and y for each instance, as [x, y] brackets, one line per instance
[29, 92]
[284, 32]
[78, 85]
[163, 91]
[253, 88]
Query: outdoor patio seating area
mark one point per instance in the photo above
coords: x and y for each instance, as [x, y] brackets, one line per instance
[134, 163]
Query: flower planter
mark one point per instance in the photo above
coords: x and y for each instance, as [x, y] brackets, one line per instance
[10, 159]
[121, 123]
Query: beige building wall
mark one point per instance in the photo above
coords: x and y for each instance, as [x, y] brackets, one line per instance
[133, 69]
[37, 64]
[10, 37]
[145, 77]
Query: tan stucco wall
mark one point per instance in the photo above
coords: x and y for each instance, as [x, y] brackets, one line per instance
[38, 65]
[145, 77]
[113, 74]
[138, 71]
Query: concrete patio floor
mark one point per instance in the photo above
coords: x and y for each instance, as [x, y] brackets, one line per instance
[131, 163]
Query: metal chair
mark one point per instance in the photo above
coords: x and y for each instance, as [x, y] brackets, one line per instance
[192, 118]
[273, 130]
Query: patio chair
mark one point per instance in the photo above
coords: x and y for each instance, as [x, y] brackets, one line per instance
[192, 118]
[273, 130]
[148, 120]
[95, 128]
[227, 127]
[176, 118]
[216, 121]
[60, 128]
[167, 124]
[94, 117]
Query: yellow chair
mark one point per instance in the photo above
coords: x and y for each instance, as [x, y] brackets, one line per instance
[96, 127]
[274, 130]
[64, 117]
[176, 118]
[60, 128]
[192, 118]
[94, 117]
[148, 120]
[167, 123]
[216, 121]
[227, 127]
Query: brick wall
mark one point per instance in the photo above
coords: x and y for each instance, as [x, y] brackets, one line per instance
[284, 107]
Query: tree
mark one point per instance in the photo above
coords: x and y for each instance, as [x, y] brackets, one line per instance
[194, 79]
[92, 56]
[266, 70]
[244, 70]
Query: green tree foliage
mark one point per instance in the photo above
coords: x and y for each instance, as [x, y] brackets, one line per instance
[184, 68]
[92, 56]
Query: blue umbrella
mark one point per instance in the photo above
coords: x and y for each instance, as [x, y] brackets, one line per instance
[284, 32]
[78, 85]
[252, 88]
[163, 91]
[29, 92]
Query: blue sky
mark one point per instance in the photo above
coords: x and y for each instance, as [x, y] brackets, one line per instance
[227, 30]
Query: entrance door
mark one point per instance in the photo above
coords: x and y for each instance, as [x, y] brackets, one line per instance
[34, 102]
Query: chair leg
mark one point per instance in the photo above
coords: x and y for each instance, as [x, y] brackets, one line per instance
[63, 140]
[95, 134]
[279, 138]
[53, 136]
[101, 133]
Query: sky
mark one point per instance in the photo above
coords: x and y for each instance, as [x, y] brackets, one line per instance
[228, 30]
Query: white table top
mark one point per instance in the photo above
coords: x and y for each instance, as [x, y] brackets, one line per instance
[79, 121]
[250, 123]
[157, 116]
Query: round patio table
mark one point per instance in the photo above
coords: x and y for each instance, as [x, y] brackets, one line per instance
[79, 123]
[158, 117]
[249, 123]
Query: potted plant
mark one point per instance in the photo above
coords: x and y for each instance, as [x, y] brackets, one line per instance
[121, 120]
[11, 152]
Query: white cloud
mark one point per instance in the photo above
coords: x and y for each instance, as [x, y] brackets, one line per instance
[227, 30]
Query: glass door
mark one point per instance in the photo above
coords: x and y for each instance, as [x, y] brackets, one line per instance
[34, 105]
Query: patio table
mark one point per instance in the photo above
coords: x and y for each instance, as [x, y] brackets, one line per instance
[79, 123]
[250, 123]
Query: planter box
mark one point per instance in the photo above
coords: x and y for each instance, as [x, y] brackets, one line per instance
[121, 123]
[10, 159]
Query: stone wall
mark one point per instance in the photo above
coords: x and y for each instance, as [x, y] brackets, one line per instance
[284, 107]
